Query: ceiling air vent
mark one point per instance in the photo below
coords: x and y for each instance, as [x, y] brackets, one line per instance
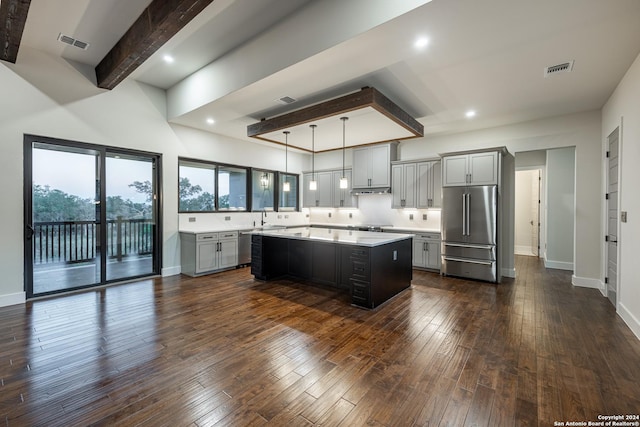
[286, 100]
[560, 68]
[73, 42]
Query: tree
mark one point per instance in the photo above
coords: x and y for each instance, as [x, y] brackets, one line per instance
[193, 199]
[143, 187]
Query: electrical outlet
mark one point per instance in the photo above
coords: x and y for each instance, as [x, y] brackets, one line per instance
[623, 216]
[192, 219]
[350, 214]
[227, 218]
[279, 216]
[329, 214]
[411, 217]
[424, 217]
[286, 217]
[306, 215]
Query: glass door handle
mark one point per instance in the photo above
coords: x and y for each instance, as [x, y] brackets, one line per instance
[29, 231]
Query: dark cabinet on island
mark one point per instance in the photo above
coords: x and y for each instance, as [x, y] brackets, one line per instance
[372, 267]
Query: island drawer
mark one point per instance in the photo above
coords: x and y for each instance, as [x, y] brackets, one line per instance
[360, 292]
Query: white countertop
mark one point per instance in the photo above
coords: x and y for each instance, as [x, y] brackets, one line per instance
[345, 237]
[411, 229]
[221, 229]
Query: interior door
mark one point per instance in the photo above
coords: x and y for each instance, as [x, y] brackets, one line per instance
[612, 219]
[535, 212]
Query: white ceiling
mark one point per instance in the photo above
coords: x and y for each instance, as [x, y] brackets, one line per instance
[486, 55]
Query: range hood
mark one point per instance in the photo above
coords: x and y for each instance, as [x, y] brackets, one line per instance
[371, 190]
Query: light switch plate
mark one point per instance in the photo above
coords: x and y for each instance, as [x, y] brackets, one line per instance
[192, 219]
[424, 217]
[227, 218]
[350, 214]
[411, 217]
[329, 214]
[623, 216]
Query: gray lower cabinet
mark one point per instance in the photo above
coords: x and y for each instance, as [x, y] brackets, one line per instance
[203, 253]
[426, 251]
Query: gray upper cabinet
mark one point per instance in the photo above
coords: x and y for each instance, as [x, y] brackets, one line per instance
[372, 166]
[403, 188]
[416, 184]
[429, 194]
[328, 193]
[342, 197]
[470, 169]
[323, 195]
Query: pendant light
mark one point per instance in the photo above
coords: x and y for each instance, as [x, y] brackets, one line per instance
[286, 187]
[343, 181]
[313, 184]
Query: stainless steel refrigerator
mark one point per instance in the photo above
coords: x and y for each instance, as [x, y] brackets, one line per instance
[470, 232]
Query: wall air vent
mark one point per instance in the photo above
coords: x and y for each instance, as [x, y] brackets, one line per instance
[560, 68]
[73, 42]
[286, 100]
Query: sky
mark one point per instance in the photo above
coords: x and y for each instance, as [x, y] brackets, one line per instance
[75, 173]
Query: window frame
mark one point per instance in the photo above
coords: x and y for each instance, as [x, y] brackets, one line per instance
[215, 166]
[296, 176]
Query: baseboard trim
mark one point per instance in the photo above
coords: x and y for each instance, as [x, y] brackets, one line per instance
[171, 271]
[509, 272]
[560, 265]
[629, 319]
[523, 250]
[586, 282]
[13, 299]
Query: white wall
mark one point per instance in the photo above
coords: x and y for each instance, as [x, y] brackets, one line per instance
[44, 95]
[560, 193]
[624, 107]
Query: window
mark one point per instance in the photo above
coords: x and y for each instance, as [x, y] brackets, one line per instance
[197, 186]
[288, 199]
[211, 187]
[262, 190]
[232, 188]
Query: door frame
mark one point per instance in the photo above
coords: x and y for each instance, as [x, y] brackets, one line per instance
[605, 216]
[542, 208]
[28, 141]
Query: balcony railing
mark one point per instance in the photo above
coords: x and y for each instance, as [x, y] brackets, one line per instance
[76, 241]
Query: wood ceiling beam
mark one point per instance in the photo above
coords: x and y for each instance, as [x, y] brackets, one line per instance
[160, 21]
[13, 16]
[367, 97]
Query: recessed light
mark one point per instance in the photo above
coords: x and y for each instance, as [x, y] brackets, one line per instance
[421, 42]
[470, 114]
[210, 121]
[168, 59]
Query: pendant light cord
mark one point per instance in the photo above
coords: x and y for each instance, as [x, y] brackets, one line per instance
[313, 151]
[344, 121]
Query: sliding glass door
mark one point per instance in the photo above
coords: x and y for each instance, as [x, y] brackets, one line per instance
[90, 215]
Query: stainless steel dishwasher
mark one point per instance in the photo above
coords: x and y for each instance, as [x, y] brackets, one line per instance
[244, 247]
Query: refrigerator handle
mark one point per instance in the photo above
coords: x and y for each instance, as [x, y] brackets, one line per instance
[467, 213]
[464, 214]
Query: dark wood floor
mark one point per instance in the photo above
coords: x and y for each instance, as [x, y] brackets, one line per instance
[227, 350]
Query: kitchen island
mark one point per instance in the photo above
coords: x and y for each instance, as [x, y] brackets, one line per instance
[372, 267]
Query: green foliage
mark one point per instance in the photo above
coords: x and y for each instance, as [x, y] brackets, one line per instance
[192, 199]
[52, 205]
